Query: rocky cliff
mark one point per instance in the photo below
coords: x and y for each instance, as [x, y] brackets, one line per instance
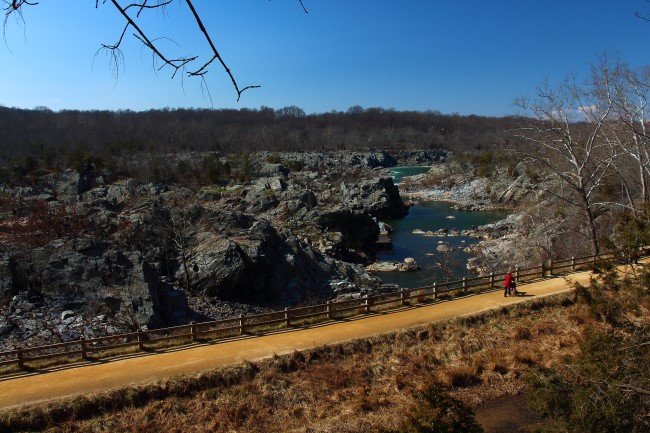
[89, 253]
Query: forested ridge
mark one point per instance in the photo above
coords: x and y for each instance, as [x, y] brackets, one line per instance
[47, 135]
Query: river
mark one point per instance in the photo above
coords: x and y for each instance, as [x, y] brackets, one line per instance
[430, 216]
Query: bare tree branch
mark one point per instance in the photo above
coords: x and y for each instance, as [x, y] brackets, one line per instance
[14, 7]
[642, 16]
[202, 70]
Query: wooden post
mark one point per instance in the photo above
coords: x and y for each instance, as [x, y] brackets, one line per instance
[491, 280]
[464, 284]
[550, 269]
[573, 263]
[140, 339]
[20, 356]
[329, 310]
[241, 324]
[435, 291]
[84, 355]
[286, 316]
[517, 273]
[402, 296]
[367, 304]
[193, 330]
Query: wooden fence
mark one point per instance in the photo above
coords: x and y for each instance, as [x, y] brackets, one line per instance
[105, 347]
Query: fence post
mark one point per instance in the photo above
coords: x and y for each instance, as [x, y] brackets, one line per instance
[20, 356]
[364, 303]
[329, 310]
[368, 302]
[241, 324]
[491, 280]
[402, 296]
[140, 338]
[464, 284]
[550, 270]
[193, 330]
[286, 316]
[435, 291]
[573, 263]
[84, 355]
[517, 273]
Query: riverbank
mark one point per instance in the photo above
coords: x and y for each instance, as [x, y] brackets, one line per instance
[450, 182]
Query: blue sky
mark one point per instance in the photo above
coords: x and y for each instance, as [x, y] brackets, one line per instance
[464, 56]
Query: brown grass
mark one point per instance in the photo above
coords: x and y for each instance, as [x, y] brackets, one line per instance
[356, 386]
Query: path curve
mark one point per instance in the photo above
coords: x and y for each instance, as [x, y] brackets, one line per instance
[95, 377]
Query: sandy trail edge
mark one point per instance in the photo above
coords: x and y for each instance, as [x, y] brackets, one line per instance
[90, 378]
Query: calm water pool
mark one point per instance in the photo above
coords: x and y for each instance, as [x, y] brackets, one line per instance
[431, 216]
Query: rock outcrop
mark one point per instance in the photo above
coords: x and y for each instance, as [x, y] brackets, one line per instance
[408, 265]
[90, 253]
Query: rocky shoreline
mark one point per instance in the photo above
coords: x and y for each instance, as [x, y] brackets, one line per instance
[452, 183]
[500, 243]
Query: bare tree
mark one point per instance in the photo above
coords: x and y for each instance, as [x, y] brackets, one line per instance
[175, 226]
[445, 261]
[563, 139]
[627, 91]
[131, 11]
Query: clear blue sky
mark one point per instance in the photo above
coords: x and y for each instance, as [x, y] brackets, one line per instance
[465, 56]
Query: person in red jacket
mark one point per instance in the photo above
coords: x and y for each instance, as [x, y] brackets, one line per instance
[508, 282]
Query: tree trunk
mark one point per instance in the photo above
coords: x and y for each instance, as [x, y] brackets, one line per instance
[592, 229]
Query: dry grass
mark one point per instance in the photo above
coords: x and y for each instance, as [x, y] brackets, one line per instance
[357, 386]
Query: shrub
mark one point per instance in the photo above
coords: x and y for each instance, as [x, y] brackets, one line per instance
[460, 377]
[605, 386]
[435, 411]
[522, 333]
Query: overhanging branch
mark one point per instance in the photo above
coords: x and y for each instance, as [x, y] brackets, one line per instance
[14, 7]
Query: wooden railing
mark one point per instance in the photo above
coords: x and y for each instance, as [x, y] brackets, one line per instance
[104, 347]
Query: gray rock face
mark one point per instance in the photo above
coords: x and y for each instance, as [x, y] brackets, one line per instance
[314, 161]
[254, 263]
[356, 228]
[7, 287]
[101, 276]
[421, 157]
[122, 250]
[469, 192]
[383, 198]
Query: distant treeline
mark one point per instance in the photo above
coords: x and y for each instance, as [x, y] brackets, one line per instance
[46, 135]
[35, 142]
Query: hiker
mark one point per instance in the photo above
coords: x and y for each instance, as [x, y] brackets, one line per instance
[508, 284]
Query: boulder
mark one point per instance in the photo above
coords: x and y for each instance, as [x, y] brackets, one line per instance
[408, 265]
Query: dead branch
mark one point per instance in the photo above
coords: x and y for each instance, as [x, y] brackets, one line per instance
[14, 7]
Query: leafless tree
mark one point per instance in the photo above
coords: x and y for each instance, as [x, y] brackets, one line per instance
[563, 139]
[131, 11]
[176, 227]
[445, 260]
[627, 90]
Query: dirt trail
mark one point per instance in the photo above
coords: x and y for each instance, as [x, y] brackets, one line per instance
[90, 378]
